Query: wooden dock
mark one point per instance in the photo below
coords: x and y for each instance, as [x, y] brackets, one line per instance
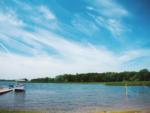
[5, 90]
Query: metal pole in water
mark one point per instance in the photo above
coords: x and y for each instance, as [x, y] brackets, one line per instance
[126, 87]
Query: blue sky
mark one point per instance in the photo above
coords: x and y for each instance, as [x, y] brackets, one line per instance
[51, 37]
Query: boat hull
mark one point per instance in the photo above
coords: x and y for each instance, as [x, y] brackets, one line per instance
[19, 89]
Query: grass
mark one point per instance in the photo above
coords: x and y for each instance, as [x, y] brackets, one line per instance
[14, 111]
[127, 112]
[129, 83]
[122, 112]
[10, 111]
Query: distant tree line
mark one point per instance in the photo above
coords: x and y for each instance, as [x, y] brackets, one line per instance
[7, 80]
[142, 75]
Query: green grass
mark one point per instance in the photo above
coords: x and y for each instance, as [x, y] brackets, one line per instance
[127, 112]
[14, 111]
[129, 83]
[121, 112]
[10, 111]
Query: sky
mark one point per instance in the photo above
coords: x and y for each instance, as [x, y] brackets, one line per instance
[40, 38]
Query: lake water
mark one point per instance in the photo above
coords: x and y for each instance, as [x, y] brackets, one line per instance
[71, 98]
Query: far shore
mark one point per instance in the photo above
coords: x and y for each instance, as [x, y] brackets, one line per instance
[123, 83]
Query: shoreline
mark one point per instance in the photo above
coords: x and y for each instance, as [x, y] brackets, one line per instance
[124, 83]
[121, 83]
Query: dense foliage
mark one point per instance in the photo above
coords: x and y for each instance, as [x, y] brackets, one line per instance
[142, 75]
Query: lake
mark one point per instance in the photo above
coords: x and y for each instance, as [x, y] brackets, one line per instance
[71, 98]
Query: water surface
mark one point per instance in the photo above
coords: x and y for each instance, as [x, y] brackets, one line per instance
[55, 97]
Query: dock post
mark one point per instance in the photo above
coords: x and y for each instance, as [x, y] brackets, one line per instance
[126, 87]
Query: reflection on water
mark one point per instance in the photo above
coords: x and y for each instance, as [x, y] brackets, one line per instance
[19, 99]
[77, 97]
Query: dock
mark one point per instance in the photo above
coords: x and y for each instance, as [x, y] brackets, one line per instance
[5, 90]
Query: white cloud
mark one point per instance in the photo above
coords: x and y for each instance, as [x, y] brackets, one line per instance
[90, 8]
[115, 27]
[44, 17]
[84, 25]
[108, 8]
[46, 13]
[3, 48]
[110, 16]
[39, 15]
[10, 18]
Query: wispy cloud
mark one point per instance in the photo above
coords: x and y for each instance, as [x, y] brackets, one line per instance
[10, 18]
[46, 13]
[84, 25]
[115, 27]
[110, 15]
[108, 8]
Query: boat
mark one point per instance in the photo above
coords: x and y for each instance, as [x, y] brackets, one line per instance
[19, 87]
